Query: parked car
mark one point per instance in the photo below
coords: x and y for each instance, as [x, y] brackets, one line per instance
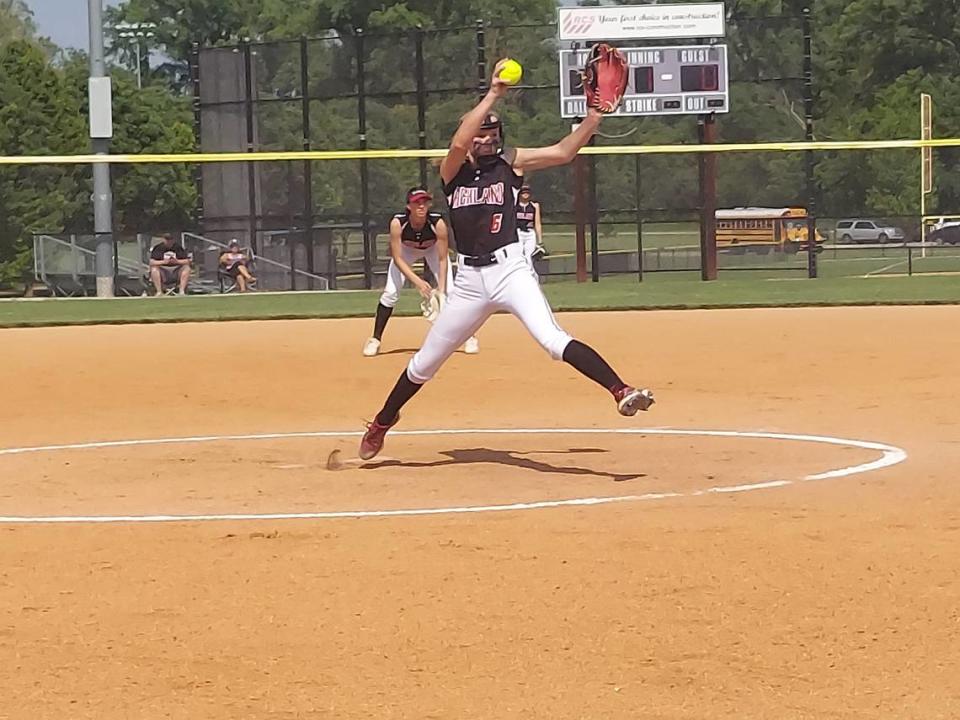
[945, 233]
[868, 231]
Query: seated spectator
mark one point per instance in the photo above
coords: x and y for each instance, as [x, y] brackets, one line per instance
[169, 263]
[235, 263]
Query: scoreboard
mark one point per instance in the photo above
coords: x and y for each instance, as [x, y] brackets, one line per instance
[669, 80]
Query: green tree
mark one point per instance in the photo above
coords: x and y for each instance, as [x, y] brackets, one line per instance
[44, 113]
[39, 116]
[879, 55]
[16, 21]
[157, 196]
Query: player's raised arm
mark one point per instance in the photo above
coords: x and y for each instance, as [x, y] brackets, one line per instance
[561, 153]
[469, 128]
[604, 82]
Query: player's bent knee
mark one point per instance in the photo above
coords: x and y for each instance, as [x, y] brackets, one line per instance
[389, 299]
[425, 363]
[420, 371]
[556, 343]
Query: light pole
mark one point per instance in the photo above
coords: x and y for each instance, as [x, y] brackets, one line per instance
[136, 32]
[101, 130]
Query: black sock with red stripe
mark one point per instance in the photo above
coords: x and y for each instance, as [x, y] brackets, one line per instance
[383, 314]
[588, 361]
[401, 393]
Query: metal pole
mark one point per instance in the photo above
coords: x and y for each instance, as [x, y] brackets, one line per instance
[101, 130]
[291, 222]
[307, 165]
[706, 125]
[197, 129]
[810, 160]
[579, 214]
[923, 208]
[638, 202]
[594, 221]
[368, 250]
[251, 167]
[926, 165]
[139, 78]
[421, 104]
[481, 59]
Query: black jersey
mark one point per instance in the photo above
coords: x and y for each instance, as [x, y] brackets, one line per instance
[420, 239]
[526, 215]
[483, 205]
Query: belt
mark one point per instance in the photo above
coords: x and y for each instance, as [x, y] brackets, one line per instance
[479, 260]
[489, 259]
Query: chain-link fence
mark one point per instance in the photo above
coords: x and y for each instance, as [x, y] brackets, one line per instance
[409, 89]
[323, 224]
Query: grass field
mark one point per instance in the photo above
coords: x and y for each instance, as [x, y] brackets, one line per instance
[666, 290]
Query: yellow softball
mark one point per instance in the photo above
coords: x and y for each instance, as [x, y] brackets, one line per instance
[511, 72]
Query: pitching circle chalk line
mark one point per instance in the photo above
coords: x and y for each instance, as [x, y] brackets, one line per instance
[890, 455]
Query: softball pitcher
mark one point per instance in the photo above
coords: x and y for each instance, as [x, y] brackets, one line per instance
[482, 180]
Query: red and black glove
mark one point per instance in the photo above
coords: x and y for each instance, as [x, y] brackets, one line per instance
[605, 78]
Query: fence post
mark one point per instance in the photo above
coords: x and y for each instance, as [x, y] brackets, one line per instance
[421, 103]
[197, 106]
[707, 162]
[116, 259]
[368, 251]
[307, 237]
[481, 59]
[579, 215]
[808, 134]
[637, 195]
[291, 239]
[594, 220]
[251, 166]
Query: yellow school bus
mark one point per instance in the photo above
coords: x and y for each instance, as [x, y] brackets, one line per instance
[763, 230]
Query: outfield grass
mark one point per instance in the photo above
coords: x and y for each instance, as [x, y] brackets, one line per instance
[674, 290]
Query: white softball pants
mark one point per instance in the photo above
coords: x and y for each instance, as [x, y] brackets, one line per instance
[528, 239]
[510, 285]
[396, 279]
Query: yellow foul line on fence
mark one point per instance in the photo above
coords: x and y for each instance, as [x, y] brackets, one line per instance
[267, 156]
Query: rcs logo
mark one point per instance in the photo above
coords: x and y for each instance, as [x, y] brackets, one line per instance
[577, 24]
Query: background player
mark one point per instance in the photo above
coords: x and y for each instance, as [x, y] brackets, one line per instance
[415, 234]
[482, 180]
[529, 228]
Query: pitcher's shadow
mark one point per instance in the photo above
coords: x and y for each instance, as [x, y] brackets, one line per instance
[489, 456]
[411, 351]
[398, 351]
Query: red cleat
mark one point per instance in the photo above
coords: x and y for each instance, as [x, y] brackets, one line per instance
[372, 442]
[630, 400]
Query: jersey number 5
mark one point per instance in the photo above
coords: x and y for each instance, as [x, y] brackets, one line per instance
[495, 223]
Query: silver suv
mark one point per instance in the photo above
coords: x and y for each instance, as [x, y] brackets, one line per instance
[868, 231]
